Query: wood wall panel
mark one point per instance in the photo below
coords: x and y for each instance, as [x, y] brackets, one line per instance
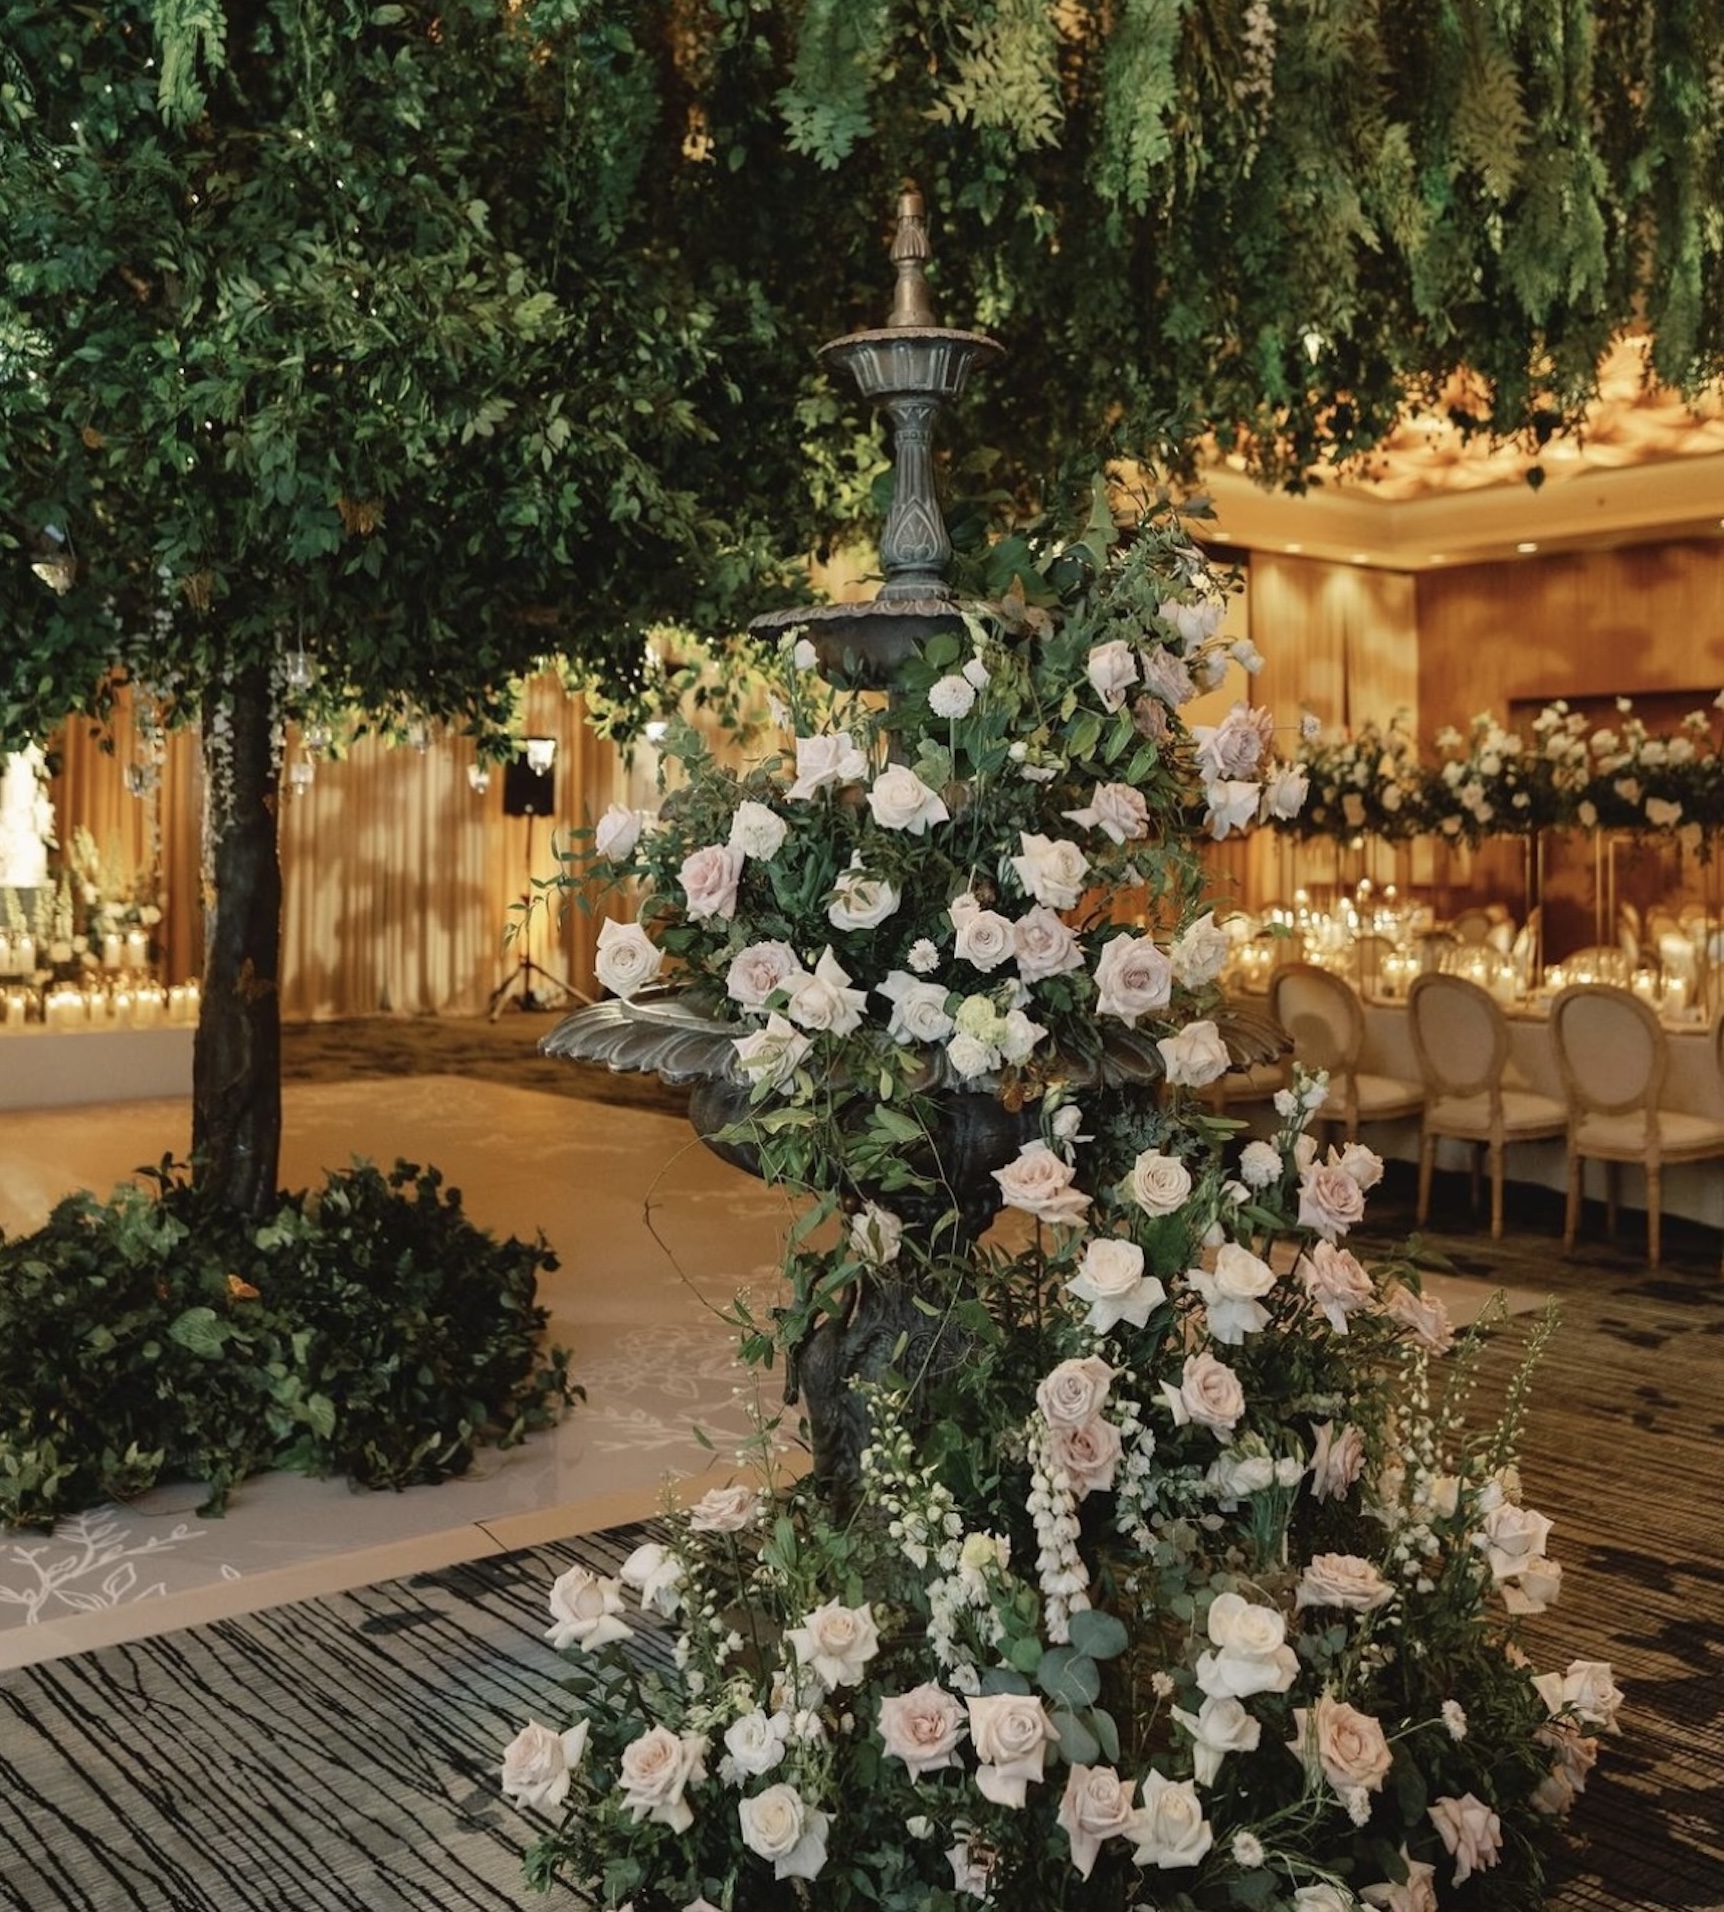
[1580, 624]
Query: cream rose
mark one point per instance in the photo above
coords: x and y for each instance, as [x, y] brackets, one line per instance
[900, 800]
[1323, 1897]
[1169, 1828]
[1251, 1654]
[1237, 746]
[919, 1012]
[1512, 1539]
[1337, 1459]
[1096, 1805]
[1195, 1056]
[617, 833]
[1040, 1184]
[586, 1611]
[757, 831]
[1166, 677]
[1117, 810]
[1159, 1184]
[836, 1642]
[1044, 945]
[655, 1771]
[1231, 806]
[822, 763]
[1075, 1391]
[1011, 1733]
[725, 1510]
[1232, 1293]
[754, 1744]
[1132, 978]
[1344, 1581]
[1417, 1894]
[1112, 669]
[1363, 1164]
[985, 938]
[1470, 1831]
[1111, 1280]
[538, 1764]
[860, 901]
[778, 1825]
[1088, 1456]
[1220, 1726]
[1051, 869]
[758, 970]
[1424, 1317]
[656, 1575]
[1342, 1744]
[825, 1000]
[627, 958]
[922, 1728]
[1330, 1201]
[1284, 792]
[709, 878]
[1208, 1394]
[771, 1055]
[1200, 952]
[1590, 1692]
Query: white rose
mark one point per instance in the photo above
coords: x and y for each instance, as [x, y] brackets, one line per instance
[1044, 945]
[1133, 978]
[1159, 1184]
[1040, 1184]
[655, 1770]
[860, 901]
[757, 831]
[1231, 805]
[656, 1575]
[971, 1057]
[1111, 1279]
[1592, 1695]
[803, 655]
[1116, 809]
[1200, 953]
[617, 833]
[1011, 1733]
[919, 1011]
[725, 1510]
[771, 1055]
[1284, 792]
[1323, 1898]
[836, 1642]
[627, 958]
[538, 1764]
[824, 762]
[1051, 869]
[1169, 1827]
[1220, 1726]
[1512, 1538]
[1019, 1036]
[900, 800]
[825, 1000]
[876, 1234]
[1251, 1654]
[1232, 1293]
[586, 1611]
[778, 1825]
[755, 1743]
[1363, 1164]
[758, 970]
[985, 938]
[1096, 1805]
[1112, 669]
[1233, 1476]
[709, 878]
[1195, 1056]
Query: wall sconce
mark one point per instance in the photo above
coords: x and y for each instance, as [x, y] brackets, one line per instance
[479, 778]
[541, 753]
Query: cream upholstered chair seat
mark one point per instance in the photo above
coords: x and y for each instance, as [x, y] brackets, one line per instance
[1462, 1045]
[1614, 1057]
[1325, 1021]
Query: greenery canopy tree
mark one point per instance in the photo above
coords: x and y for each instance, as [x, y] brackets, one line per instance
[441, 337]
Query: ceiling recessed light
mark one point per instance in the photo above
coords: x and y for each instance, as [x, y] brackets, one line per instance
[1295, 549]
[1437, 557]
[1360, 557]
[1526, 545]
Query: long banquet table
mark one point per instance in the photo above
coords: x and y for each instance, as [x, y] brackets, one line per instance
[1694, 1085]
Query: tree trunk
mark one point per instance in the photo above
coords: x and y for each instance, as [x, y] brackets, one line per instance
[236, 1067]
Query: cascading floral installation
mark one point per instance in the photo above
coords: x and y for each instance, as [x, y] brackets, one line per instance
[1164, 1571]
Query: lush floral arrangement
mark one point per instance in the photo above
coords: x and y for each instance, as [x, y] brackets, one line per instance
[1365, 781]
[1169, 1573]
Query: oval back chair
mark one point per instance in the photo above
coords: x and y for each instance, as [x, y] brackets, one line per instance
[1614, 1056]
[1325, 1020]
[1461, 1041]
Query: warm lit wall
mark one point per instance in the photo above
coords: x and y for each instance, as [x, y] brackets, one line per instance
[1585, 623]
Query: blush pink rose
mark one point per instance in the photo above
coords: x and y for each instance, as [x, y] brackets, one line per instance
[1336, 1281]
[1011, 1733]
[1088, 1456]
[709, 878]
[1346, 1746]
[1330, 1201]
[1337, 1459]
[1075, 1391]
[1040, 1184]
[1208, 1394]
[1470, 1831]
[1096, 1805]
[922, 1728]
[1133, 978]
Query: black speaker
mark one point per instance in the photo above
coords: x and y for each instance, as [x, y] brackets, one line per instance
[528, 792]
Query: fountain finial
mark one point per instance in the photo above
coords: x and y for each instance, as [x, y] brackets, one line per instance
[912, 304]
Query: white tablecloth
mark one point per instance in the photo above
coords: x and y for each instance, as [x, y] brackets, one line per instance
[52, 1068]
[1693, 1189]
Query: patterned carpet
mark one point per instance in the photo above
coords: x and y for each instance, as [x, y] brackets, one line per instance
[339, 1755]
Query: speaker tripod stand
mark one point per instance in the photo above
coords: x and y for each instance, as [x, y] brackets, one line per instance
[532, 979]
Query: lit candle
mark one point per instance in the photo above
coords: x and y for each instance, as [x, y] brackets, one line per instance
[111, 950]
[24, 955]
[122, 1004]
[137, 949]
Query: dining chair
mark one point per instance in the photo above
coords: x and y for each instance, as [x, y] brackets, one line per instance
[1325, 1020]
[1614, 1055]
[1470, 925]
[1461, 1041]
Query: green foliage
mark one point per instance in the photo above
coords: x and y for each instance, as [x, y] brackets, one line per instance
[368, 1329]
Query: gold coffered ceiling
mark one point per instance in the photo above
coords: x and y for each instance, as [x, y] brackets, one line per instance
[1649, 466]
